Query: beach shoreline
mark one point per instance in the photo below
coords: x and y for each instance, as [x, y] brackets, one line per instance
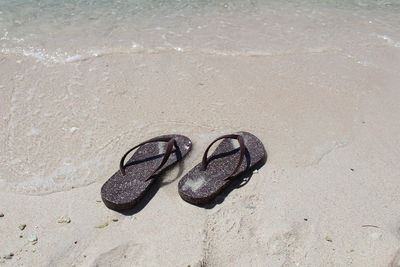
[323, 101]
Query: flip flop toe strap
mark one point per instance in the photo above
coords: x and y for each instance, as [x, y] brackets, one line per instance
[239, 138]
[170, 144]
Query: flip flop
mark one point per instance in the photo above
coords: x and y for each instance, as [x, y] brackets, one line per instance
[204, 182]
[128, 185]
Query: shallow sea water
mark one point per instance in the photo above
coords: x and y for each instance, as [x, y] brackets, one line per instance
[65, 31]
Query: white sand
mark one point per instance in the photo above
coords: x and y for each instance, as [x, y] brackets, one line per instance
[327, 196]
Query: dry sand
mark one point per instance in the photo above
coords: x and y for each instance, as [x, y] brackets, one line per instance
[328, 194]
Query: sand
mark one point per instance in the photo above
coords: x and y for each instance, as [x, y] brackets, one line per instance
[328, 194]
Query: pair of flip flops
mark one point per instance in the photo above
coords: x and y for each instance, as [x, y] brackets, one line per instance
[236, 154]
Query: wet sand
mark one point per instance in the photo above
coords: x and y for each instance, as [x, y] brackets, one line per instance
[328, 117]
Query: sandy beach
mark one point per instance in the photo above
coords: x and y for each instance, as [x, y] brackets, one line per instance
[322, 97]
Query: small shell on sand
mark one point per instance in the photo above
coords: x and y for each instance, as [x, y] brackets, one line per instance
[102, 225]
[115, 220]
[64, 219]
[22, 226]
[33, 239]
[9, 256]
[1, 214]
[73, 129]
[327, 238]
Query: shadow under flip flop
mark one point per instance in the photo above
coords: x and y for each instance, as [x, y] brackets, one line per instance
[237, 183]
[158, 183]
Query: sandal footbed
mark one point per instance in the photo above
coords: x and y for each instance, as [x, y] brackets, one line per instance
[121, 192]
[200, 187]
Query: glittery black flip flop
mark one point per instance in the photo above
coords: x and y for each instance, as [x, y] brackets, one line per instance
[125, 188]
[203, 183]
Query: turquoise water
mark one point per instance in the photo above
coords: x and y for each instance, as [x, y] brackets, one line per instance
[69, 30]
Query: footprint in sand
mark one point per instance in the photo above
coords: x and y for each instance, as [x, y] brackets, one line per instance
[127, 254]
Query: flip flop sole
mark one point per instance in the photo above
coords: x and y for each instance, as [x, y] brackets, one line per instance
[122, 192]
[201, 186]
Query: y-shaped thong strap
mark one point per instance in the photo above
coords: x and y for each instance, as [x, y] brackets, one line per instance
[170, 144]
[239, 138]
